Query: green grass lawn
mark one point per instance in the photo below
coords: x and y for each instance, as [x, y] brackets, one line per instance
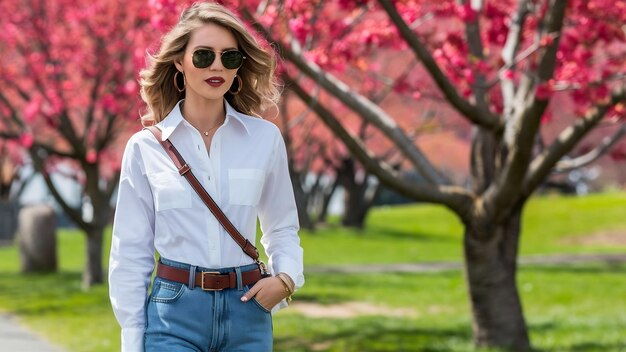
[580, 308]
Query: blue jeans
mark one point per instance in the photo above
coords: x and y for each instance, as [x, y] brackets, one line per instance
[180, 317]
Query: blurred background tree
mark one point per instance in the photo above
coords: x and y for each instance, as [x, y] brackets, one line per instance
[498, 65]
[69, 75]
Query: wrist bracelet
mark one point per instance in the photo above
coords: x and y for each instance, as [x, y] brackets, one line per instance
[288, 288]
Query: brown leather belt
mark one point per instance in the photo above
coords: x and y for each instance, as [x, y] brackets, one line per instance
[208, 280]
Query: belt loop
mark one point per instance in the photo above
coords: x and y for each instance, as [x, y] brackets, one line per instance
[238, 274]
[192, 277]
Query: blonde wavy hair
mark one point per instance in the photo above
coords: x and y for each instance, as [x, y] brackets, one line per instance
[260, 87]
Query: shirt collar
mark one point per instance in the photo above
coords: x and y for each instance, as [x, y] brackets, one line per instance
[175, 117]
[236, 115]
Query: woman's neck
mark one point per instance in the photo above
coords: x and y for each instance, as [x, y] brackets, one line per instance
[203, 114]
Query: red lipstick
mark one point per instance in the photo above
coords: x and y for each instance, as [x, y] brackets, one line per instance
[215, 81]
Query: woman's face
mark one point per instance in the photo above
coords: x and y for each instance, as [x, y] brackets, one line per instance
[214, 81]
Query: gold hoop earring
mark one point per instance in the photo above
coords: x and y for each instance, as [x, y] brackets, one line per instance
[176, 81]
[239, 86]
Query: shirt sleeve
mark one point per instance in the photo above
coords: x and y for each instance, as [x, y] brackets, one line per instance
[278, 217]
[132, 249]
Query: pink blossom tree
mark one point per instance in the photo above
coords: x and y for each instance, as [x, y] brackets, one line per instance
[498, 65]
[69, 90]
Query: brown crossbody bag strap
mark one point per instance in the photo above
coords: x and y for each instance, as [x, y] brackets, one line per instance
[185, 170]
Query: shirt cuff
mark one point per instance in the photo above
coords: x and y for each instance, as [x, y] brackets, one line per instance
[292, 270]
[132, 339]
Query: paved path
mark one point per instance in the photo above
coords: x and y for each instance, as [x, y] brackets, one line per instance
[15, 338]
[428, 267]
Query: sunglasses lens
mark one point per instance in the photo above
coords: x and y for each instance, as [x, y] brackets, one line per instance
[232, 59]
[203, 58]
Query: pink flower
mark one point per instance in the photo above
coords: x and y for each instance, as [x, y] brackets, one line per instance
[543, 91]
[507, 74]
[91, 156]
[109, 103]
[130, 87]
[546, 40]
[469, 75]
[27, 140]
[33, 108]
[467, 13]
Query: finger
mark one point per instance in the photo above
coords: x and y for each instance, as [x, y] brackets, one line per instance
[253, 291]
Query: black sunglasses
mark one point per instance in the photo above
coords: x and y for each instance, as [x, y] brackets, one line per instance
[231, 59]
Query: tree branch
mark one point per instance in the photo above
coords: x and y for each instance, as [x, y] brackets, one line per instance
[74, 214]
[13, 110]
[479, 88]
[455, 198]
[522, 129]
[509, 50]
[369, 112]
[593, 155]
[567, 140]
[471, 112]
[359, 104]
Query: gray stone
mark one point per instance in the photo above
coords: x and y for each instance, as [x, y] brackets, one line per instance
[37, 238]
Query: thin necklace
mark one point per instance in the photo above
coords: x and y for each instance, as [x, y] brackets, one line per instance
[206, 133]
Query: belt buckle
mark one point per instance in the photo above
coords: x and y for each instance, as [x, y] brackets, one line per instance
[202, 281]
[263, 269]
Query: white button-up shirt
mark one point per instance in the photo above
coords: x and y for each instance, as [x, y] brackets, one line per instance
[245, 172]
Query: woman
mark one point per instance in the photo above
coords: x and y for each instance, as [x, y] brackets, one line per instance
[207, 78]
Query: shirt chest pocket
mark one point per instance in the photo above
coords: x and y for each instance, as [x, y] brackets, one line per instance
[245, 186]
[171, 191]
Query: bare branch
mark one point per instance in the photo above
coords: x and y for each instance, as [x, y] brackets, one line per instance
[51, 150]
[13, 110]
[296, 120]
[593, 155]
[472, 32]
[566, 141]
[513, 40]
[522, 129]
[7, 135]
[471, 112]
[73, 213]
[377, 98]
[455, 198]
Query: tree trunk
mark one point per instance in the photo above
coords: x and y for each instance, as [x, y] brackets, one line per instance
[302, 201]
[321, 218]
[8, 219]
[353, 215]
[491, 265]
[354, 209]
[93, 273]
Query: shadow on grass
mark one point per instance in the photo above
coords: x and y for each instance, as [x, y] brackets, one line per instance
[594, 268]
[549, 328]
[377, 334]
[374, 334]
[593, 346]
